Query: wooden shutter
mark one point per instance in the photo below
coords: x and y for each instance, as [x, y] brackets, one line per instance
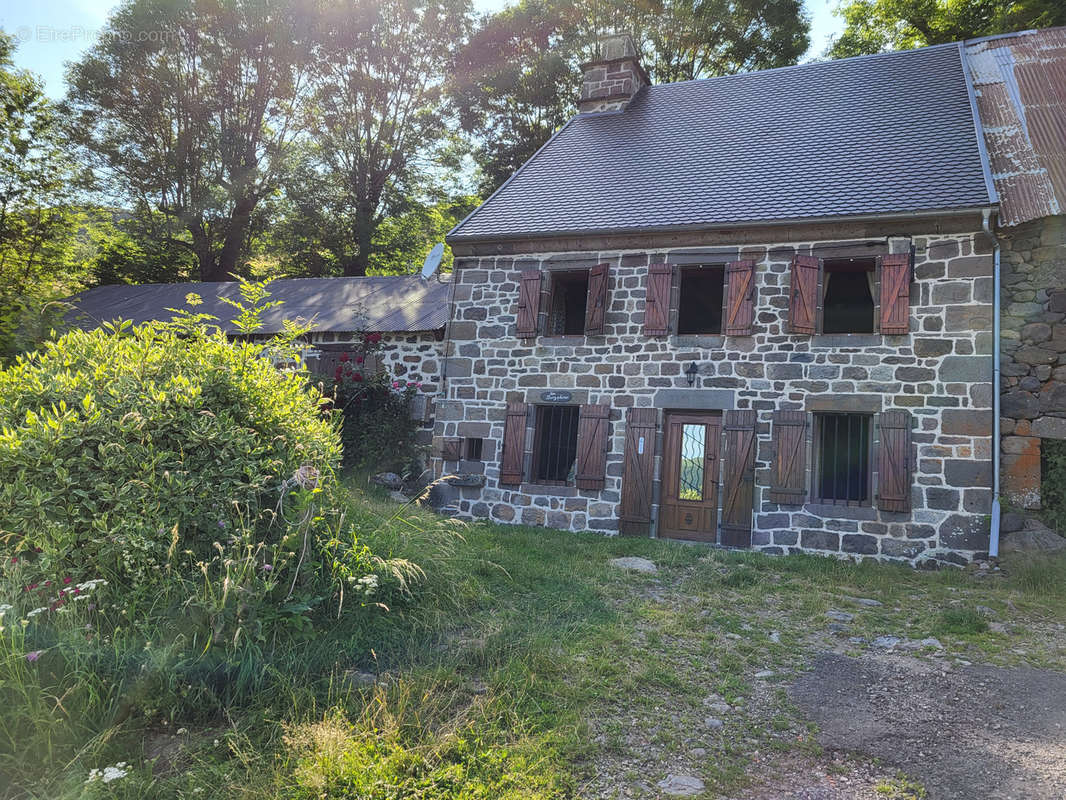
[895, 294]
[803, 305]
[738, 478]
[894, 461]
[789, 475]
[740, 300]
[657, 300]
[514, 445]
[592, 446]
[596, 304]
[638, 472]
[528, 303]
[452, 449]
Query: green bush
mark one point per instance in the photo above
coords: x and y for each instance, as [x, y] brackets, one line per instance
[1053, 486]
[126, 451]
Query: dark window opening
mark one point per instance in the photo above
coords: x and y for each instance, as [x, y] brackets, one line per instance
[473, 448]
[556, 444]
[842, 459]
[569, 297]
[1053, 483]
[700, 306]
[848, 306]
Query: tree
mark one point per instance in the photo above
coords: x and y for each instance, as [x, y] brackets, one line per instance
[872, 26]
[378, 121]
[518, 78]
[37, 221]
[186, 108]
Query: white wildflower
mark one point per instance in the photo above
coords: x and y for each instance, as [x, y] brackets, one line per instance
[182, 731]
[37, 611]
[108, 774]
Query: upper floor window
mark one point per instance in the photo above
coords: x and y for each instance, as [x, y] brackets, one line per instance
[850, 295]
[574, 302]
[699, 307]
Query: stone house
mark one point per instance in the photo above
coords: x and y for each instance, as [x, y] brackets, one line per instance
[755, 310]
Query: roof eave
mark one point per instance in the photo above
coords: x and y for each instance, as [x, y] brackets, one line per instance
[716, 226]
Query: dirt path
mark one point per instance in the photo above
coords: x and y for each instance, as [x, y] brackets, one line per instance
[971, 732]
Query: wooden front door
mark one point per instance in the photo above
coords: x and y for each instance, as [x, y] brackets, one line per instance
[689, 503]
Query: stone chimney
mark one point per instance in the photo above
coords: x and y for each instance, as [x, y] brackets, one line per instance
[613, 78]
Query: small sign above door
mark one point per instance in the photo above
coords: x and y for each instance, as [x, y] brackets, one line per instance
[553, 396]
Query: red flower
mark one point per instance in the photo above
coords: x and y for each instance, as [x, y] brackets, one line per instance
[373, 338]
[358, 359]
[67, 580]
[14, 560]
[344, 357]
[357, 376]
[337, 374]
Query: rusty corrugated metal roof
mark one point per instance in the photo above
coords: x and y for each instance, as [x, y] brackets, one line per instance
[1020, 83]
[391, 303]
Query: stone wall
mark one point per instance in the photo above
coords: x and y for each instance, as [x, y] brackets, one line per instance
[406, 356]
[1033, 351]
[941, 372]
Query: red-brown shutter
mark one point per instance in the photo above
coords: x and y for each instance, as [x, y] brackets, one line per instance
[592, 446]
[452, 449]
[657, 300]
[738, 478]
[638, 472]
[596, 304]
[803, 305]
[788, 481]
[740, 298]
[895, 294]
[894, 462]
[514, 445]
[528, 303]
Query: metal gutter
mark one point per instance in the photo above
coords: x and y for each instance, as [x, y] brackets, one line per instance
[993, 538]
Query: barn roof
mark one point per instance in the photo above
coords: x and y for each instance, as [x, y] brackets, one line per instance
[393, 303]
[1020, 83]
[892, 133]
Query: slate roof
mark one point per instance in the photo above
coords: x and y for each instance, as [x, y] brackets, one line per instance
[379, 303]
[1020, 82]
[882, 134]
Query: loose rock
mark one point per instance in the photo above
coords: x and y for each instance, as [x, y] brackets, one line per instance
[634, 563]
[839, 616]
[681, 785]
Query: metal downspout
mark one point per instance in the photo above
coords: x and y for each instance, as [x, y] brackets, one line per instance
[993, 541]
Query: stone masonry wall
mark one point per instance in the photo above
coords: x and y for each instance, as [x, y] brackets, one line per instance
[941, 372]
[406, 356]
[1033, 351]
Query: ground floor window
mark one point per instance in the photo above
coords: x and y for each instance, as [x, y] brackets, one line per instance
[555, 446]
[842, 446]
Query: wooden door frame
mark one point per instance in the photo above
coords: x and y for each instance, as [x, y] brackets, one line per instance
[698, 416]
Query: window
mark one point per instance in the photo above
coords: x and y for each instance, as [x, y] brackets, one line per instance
[569, 301]
[848, 295]
[842, 448]
[474, 446]
[555, 448]
[700, 304]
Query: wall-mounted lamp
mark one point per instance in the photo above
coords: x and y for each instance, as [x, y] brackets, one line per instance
[690, 372]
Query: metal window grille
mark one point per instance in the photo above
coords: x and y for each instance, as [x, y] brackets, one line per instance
[556, 451]
[842, 459]
[474, 447]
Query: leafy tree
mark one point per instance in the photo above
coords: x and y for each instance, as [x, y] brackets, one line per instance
[518, 78]
[138, 247]
[37, 220]
[378, 121]
[186, 108]
[872, 26]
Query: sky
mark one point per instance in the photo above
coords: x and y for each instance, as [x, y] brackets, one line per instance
[52, 32]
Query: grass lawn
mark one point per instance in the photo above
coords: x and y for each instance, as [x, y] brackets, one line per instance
[531, 667]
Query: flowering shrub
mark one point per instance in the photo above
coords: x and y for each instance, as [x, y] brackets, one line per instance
[377, 430]
[125, 451]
